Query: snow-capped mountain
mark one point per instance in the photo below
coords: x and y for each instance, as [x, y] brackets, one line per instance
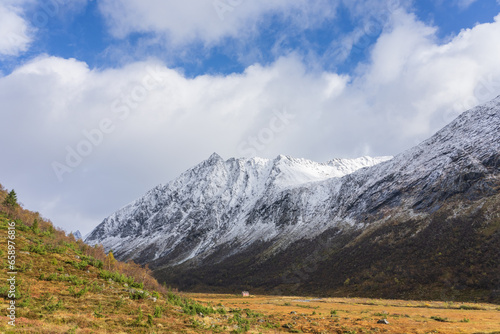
[217, 202]
[78, 235]
[255, 223]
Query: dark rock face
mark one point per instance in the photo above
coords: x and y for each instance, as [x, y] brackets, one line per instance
[425, 224]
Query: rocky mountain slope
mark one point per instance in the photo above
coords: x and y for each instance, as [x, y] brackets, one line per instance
[220, 202]
[423, 224]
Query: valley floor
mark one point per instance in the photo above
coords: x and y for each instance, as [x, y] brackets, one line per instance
[356, 315]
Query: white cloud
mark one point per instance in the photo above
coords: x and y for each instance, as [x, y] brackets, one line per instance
[18, 30]
[164, 122]
[463, 4]
[15, 31]
[433, 82]
[187, 29]
[206, 21]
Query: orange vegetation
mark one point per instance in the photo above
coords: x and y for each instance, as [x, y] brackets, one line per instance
[356, 315]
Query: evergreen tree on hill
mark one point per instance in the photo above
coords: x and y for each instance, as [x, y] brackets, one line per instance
[11, 200]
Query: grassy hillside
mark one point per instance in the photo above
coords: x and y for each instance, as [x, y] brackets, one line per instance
[65, 286]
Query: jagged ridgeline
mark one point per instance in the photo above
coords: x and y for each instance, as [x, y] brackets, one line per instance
[62, 285]
[424, 224]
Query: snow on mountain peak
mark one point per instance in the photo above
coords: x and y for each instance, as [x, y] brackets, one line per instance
[215, 158]
[216, 197]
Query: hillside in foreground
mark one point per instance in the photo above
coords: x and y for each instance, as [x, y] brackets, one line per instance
[65, 286]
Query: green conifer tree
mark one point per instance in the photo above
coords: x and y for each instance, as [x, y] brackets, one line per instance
[11, 200]
[35, 227]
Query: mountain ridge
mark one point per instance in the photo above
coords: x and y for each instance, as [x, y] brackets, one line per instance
[243, 180]
[451, 177]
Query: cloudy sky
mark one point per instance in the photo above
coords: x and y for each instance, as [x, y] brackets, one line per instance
[102, 100]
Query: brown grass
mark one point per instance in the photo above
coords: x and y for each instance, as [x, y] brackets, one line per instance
[356, 315]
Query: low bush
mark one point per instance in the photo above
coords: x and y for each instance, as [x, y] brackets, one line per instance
[191, 307]
[78, 294]
[158, 311]
[137, 294]
[120, 278]
[38, 249]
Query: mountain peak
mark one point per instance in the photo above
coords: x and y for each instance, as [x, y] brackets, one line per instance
[283, 157]
[215, 157]
[77, 235]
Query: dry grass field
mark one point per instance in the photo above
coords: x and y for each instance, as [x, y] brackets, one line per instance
[341, 315]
